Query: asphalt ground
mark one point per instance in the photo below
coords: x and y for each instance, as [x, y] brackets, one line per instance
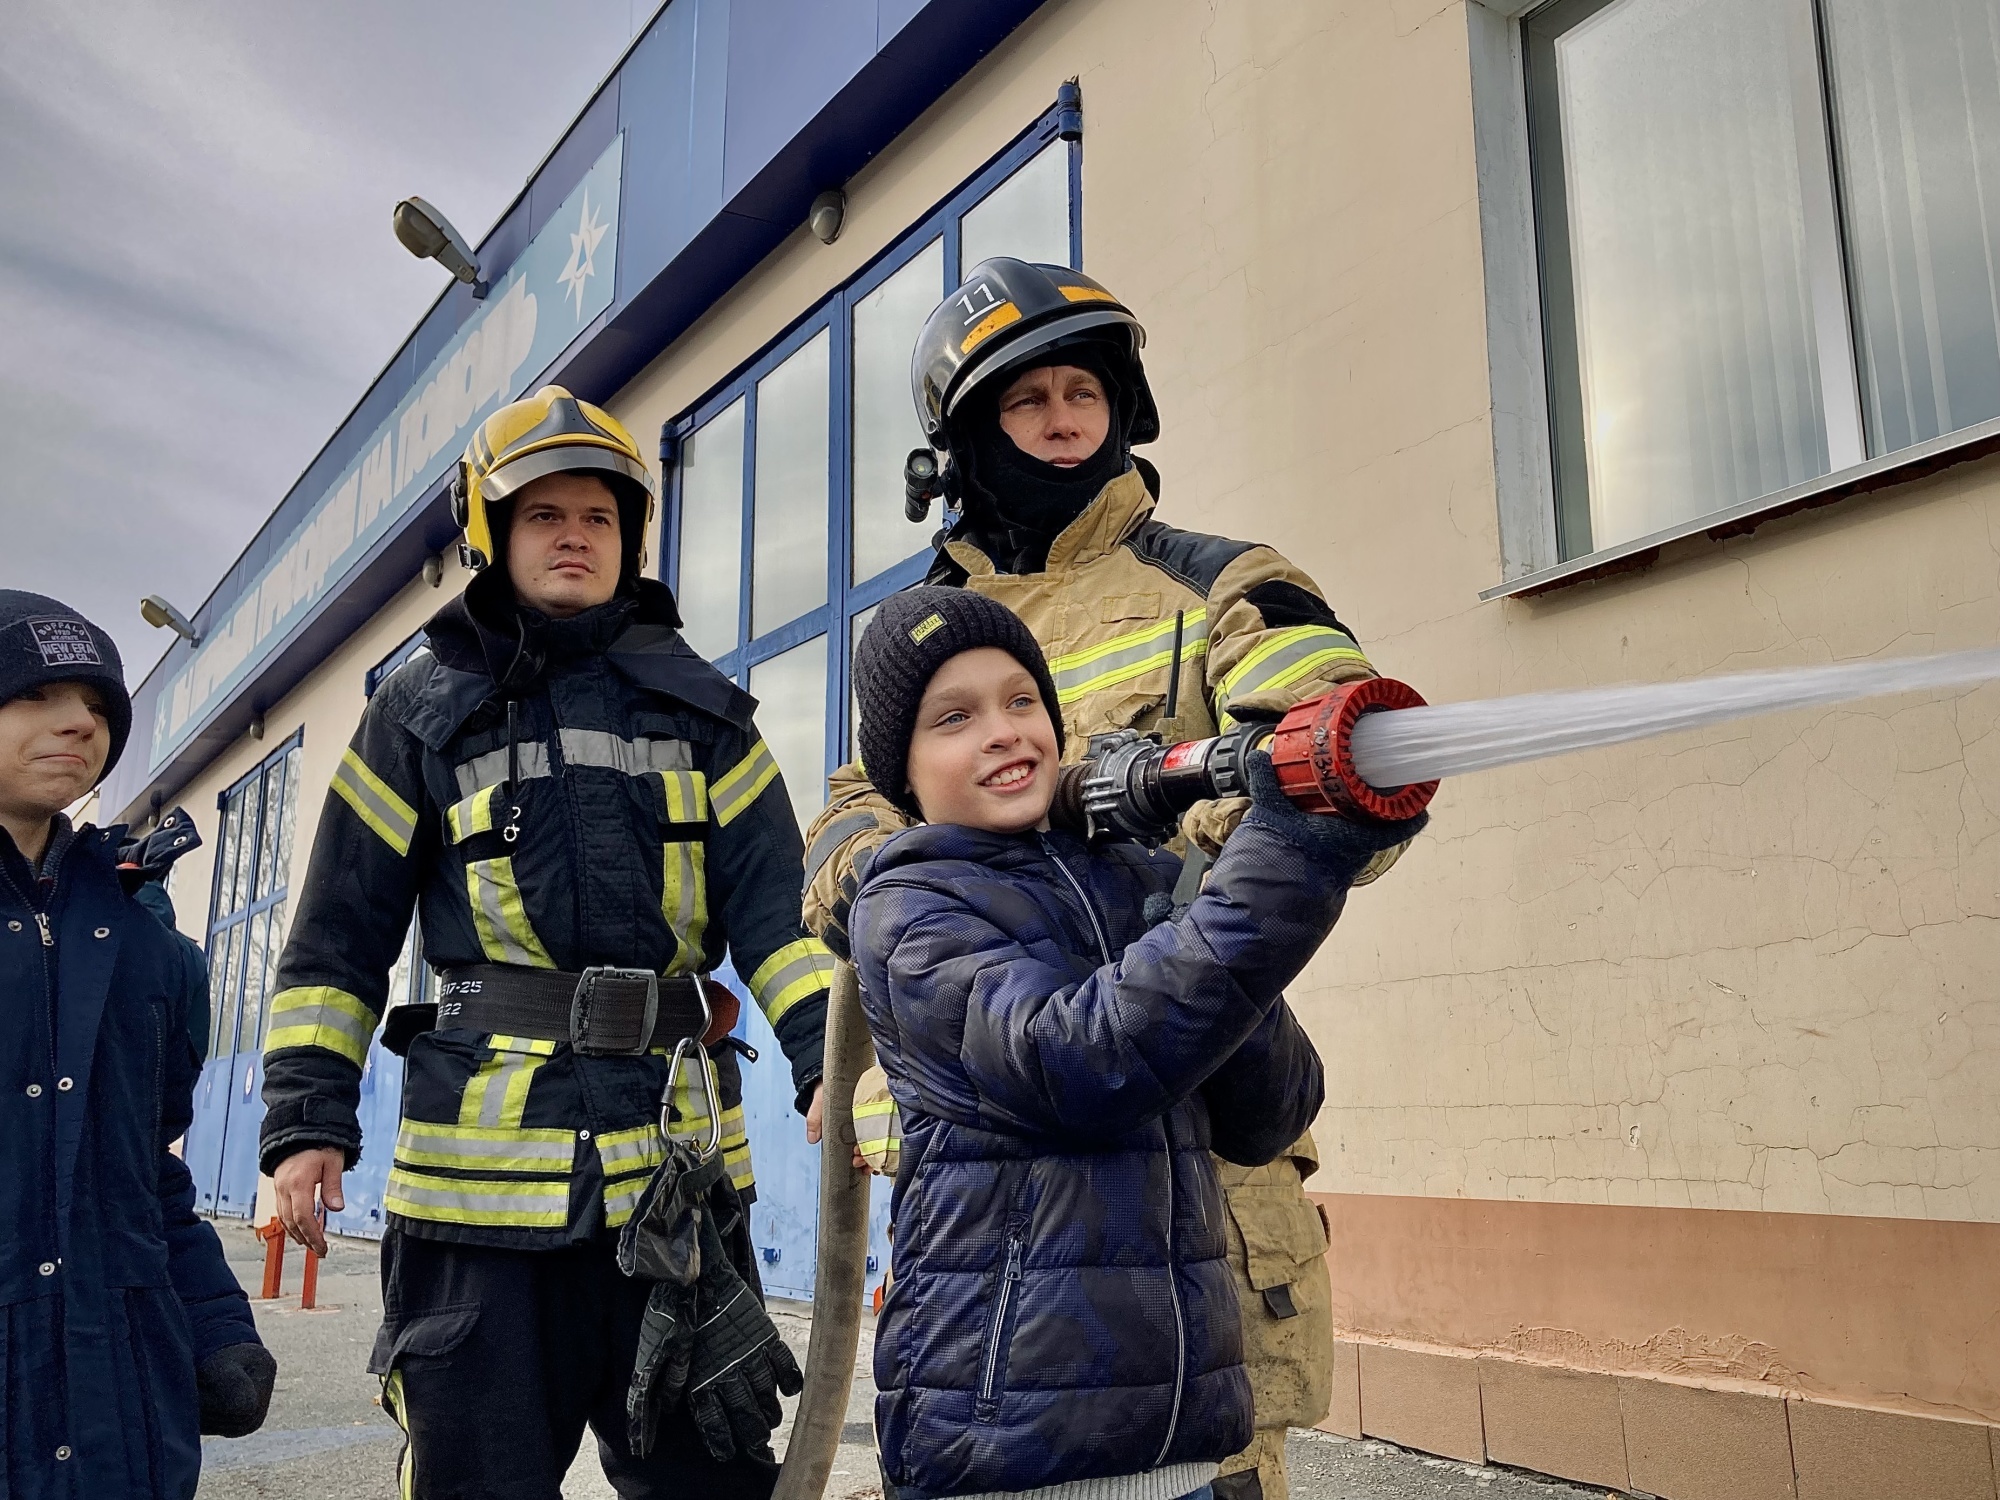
[327, 1437]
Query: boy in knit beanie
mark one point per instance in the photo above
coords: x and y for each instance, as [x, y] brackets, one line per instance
[130, 1336]
[1061, 1318]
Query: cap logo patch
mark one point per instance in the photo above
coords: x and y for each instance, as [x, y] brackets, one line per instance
[927, 629]
[65, 643]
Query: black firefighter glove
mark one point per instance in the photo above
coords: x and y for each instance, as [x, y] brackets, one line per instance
[661, 1243]
[234, 1384]
[740, 1364]
[1342, 846]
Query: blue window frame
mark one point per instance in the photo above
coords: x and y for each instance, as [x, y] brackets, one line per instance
[824, 415]
[247, 900]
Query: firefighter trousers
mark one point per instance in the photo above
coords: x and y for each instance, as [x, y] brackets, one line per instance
[495, 1361]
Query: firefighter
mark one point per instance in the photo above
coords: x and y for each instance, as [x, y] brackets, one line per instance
[1032, 394]
[583, 813]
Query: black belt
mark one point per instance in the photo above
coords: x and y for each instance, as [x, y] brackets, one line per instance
[602, 1012]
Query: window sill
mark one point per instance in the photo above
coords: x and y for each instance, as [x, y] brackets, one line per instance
[1890, 469]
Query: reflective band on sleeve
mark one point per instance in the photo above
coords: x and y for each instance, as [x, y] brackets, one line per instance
[1127, 656]
[600, 747]
[500, 917]
[831, 837]
[1285, 657]
[482, 1148]
[878, 1132]
[465, 1200]
[734, 793]
[375, 802]
[686, 795]
[473, 815]
[793, 973]
[497, 1095]
[318, 1015]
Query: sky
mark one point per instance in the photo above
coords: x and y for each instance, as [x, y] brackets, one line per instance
[197, 274]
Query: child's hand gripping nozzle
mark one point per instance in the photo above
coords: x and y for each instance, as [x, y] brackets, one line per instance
[1134, 786]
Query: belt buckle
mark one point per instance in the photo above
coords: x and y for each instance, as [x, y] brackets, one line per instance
[582, 1003]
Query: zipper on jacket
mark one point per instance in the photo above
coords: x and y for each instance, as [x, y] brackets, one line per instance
[1180, 1327]
[1010, 1278]
[1089, 910]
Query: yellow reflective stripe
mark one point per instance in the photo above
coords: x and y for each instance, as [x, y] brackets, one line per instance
[466, 1200]
[684, 902]
[392, 1403]
[1124, 657]
[736, 1161]
[733, 795]
[794, 973]
[878, 1133]
[483, 1148]
[500, 916]
[621, 1198]
[687, 796]
[1286, 656]
[375, 802]
[497, 1095]
[639, 1149]
[473, 815]
[317, 1015]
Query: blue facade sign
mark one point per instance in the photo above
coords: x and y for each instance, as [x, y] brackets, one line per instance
[554, 290]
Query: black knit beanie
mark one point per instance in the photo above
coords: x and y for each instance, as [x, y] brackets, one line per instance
[912, 635]
[44, 641]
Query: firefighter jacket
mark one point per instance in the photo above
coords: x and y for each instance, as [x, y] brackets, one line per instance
[550, 794]
[1254, 631]
[112, 1288]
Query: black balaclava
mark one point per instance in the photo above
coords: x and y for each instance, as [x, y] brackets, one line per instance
[1015, 504]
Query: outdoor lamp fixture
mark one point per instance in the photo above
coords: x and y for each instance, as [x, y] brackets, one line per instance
[161, 615]
[829, 212]
[428, 235]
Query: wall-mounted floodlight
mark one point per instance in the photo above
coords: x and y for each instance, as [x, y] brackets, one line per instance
[163, 616]
[829, 212]
[428, 235]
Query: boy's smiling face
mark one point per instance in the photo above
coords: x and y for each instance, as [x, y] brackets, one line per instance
[984, 752]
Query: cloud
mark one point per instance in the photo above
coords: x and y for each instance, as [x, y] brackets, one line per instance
[197, 276]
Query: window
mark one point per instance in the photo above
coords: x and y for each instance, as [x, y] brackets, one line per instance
[787, 523]
[246, 930]
[1766, 241]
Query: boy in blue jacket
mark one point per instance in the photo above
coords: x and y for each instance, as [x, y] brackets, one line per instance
[123, 1333]
[1061, 1318]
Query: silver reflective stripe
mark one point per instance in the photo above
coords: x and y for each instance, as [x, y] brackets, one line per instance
[831, 837]
[530, 1204]
[491, 768]
[517, 1150]
[600, 747]
[631, 1156]
[1142, 649]
[620, 1201]
[505, 944]
[494, 1104]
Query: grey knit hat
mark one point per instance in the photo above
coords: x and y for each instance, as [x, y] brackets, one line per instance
[912, 635]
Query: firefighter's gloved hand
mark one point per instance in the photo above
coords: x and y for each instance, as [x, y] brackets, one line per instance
[740, 1364]
[234, 1384]
[1341, 846]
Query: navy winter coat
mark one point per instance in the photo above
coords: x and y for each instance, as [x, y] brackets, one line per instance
[1061, 1308]
[110, 1287]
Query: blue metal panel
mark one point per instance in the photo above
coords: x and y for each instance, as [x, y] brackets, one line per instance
[381, 1113]
[201, 1148]
[786, 63]
[237, 1195]
[655, 101]
[571, 161]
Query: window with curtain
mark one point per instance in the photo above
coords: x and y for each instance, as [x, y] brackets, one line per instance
[1765, 240]
[787, 524]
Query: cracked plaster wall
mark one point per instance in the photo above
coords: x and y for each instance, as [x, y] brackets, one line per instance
[1745, 968]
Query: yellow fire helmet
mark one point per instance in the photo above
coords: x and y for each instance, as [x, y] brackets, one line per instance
[550, 432]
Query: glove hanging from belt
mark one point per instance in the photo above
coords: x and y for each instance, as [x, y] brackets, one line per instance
[705, 1334]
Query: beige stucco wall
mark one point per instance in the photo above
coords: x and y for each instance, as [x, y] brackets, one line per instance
[1746, 968]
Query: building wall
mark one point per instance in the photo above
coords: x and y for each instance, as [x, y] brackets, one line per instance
[1678, 1060]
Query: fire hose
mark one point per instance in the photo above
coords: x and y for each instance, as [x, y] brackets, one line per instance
[842, 1268]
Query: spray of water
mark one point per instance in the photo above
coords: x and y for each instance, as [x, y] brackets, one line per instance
[1427, 744]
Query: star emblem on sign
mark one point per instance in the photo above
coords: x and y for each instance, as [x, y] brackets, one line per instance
[582, 253]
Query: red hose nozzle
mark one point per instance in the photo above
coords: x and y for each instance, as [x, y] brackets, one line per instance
[1312, 752]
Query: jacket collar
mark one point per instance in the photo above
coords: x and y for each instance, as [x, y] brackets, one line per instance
[1001, 851]
[1119, 509]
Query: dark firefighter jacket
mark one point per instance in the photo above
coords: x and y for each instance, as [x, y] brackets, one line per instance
[110, 1287]
[643, 824]
[1061, 1307]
